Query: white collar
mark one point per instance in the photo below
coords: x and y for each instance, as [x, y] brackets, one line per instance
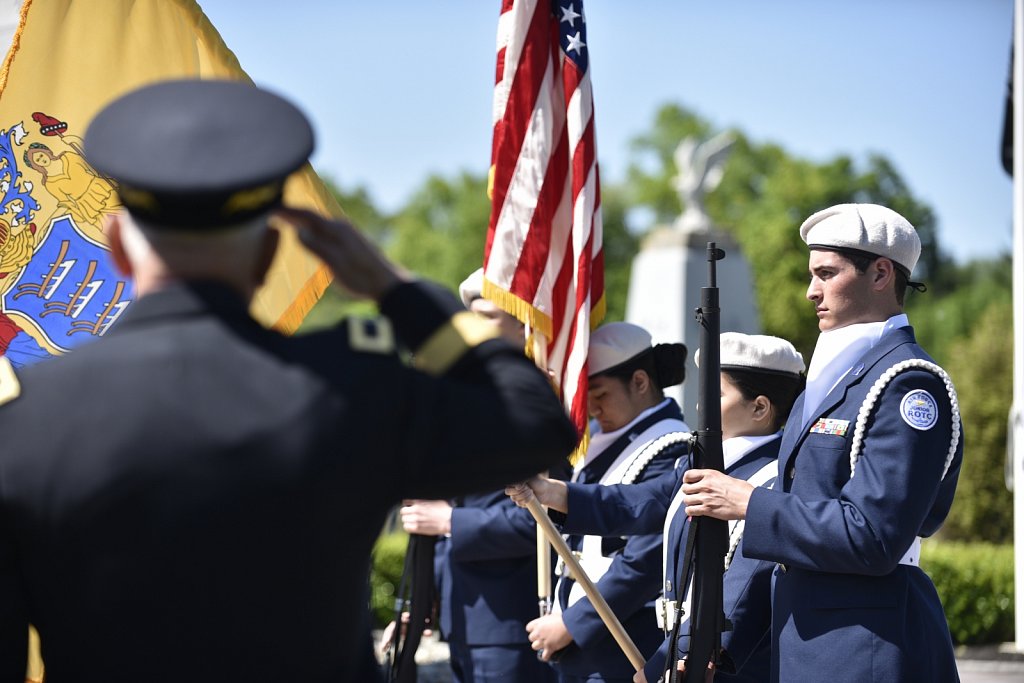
[738, 446]
[835, 354]
[599, 441]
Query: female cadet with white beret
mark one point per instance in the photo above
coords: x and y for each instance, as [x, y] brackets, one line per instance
[627, 375]
[761, 377]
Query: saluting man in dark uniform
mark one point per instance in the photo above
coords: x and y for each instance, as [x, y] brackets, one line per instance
[194, 497]
[868, 465]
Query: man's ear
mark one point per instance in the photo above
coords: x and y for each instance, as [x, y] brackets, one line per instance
[115, 240]
[268, 248]
[883, 271]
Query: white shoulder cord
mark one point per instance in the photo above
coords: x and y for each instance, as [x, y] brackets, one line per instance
[651, 450]
[876, 391]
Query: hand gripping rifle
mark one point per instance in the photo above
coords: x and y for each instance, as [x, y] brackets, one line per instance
[707, 616]
[415, 596]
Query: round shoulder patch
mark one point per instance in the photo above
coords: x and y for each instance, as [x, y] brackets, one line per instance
[919, 410]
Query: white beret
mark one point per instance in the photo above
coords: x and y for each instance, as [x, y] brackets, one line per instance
[758, 352]
[472, 287]
[867, 228]
[614, 344]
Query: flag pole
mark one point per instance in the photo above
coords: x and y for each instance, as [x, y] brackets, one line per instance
[596, 599]
[544, 597]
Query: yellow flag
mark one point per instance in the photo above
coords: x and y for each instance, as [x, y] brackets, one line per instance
[67, 59]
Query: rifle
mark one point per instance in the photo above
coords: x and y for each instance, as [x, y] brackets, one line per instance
[415, 596]
[711, 540]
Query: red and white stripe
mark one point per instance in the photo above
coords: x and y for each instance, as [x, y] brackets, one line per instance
[543, 260]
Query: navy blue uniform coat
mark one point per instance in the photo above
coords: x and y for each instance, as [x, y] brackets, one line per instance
[641, 508]
[845, 610]
[487, 575]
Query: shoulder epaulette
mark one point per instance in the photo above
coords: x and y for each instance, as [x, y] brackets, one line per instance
[370, 335]
[451, 341]
[10, 387]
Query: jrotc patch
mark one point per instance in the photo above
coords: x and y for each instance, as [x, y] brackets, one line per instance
[830, 426]
[919, 410]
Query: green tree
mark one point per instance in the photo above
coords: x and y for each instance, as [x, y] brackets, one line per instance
[979, 365]
[941, 319]
[440, 233]
[763, 198]
[620, 246]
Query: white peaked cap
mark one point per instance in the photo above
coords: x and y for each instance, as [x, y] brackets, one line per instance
[867, 228]
[614, 344]
[757, 352]
[472, 287]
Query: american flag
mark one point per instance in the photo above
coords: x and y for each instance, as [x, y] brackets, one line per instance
[543, 260]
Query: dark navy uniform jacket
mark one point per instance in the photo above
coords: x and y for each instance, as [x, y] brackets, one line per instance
[195, 498]
[487, 571]
[631, 584]
[641, 508]
[844, 608]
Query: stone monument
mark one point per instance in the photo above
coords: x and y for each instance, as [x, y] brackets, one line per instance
[668, 273]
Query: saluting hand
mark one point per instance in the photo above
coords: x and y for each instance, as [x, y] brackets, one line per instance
[357, 265]
[710, 493]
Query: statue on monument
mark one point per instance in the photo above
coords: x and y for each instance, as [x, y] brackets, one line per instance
[700, 167]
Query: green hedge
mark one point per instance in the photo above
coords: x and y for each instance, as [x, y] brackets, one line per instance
[974, 581]
[388, 560]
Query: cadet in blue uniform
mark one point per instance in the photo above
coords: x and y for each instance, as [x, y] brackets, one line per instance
[761, 377]
[486, 561]
[194, 497]
[625, 398]
[867, 467]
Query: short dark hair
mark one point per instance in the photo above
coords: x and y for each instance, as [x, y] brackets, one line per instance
[780, 389]
[861, 262]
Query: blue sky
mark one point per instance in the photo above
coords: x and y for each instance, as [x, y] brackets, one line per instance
[401, 89]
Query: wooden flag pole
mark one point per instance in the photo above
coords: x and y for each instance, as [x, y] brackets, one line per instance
[544, 597]
[596, 599]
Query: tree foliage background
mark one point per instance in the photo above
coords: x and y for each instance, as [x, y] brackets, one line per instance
[963, 320]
